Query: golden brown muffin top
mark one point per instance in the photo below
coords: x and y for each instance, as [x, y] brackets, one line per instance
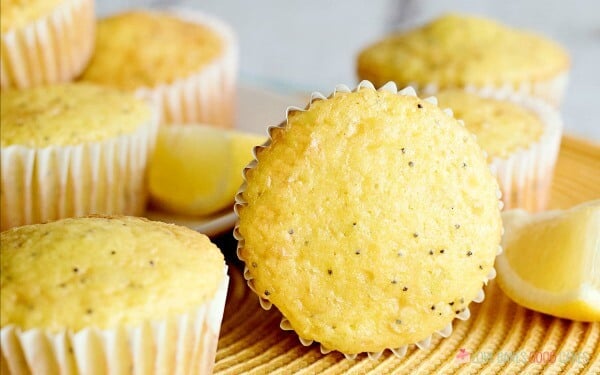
[144, 49]
[502, 127]
[104, 272]
[457, 50]
[68, 114]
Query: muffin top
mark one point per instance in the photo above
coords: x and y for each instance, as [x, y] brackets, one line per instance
[70, 114]
[144, 49]
[18, 13]
[501, 127]
[370, 221]
[457, 50]
[104, 272]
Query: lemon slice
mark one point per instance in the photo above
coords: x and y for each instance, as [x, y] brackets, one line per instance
[197, 169]
[551, 261]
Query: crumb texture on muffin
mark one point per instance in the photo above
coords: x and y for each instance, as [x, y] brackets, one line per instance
[19, 13]
[144, 49]
[70, 114]
[371, 220]
[104, 272]
[458, 50]
[502, 127]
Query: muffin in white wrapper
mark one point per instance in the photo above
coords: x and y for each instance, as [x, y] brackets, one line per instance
[104, 175]
[122, 295]
[53, 48]
[185, 344]
[526, 177]
[205, 93]
[458, 51]
[339, 238]
[208, 96]
[525, 173]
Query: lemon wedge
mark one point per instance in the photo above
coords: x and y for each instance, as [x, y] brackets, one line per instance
[197, 169]
[551, 261]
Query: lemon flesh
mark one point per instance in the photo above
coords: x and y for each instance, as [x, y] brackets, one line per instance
[551, 261]
[196, 169]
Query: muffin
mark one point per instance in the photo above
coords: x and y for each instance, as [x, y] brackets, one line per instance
[521, 137]
[110, 295]
[370, 220]
[44, 41]
[185, 62]
[464, 51]
[71, 150]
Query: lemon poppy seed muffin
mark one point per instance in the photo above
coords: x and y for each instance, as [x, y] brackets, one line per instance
[501, 127]
[458, 50]
[71, 150]
[120, 62]
[521, 137]
[44, 41]
[66, 115]
[88, 292]
[184, 62]
[370, 220]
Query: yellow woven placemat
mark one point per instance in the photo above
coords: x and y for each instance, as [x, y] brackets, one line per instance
[500, 337]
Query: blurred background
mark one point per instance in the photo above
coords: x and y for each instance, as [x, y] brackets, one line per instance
[306, 45]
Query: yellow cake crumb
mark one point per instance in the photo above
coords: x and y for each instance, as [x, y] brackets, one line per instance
[144, 49]
[501, 127]
[104, 272]
[457, 50]
[69, 114]
[371, 221]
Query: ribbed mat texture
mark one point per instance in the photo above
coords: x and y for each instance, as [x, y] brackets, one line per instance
[500, 337]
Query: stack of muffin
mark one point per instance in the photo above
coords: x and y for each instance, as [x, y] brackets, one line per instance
[81, 104]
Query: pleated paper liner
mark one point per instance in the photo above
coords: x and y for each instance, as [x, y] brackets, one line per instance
[180, 344]
[206, 96]
[500, 336]
[54, 48]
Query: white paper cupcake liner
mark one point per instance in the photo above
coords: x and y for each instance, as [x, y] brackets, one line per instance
[52, 49]
[207, 96]
[266, 304]
[106, 177]
[551, 90]
[183, 344]
[525, 176]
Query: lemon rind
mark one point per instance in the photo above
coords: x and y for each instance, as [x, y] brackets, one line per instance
[544, 301]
